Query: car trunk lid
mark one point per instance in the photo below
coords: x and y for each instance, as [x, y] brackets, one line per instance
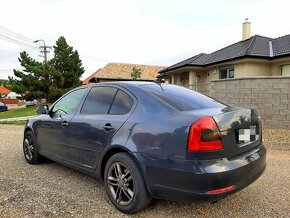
[240, 130]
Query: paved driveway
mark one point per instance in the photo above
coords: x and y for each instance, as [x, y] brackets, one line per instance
[53, 190]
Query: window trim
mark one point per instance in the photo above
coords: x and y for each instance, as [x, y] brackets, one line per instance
[134, 98]
[228, 69]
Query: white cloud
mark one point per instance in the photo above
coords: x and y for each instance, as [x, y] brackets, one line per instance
[145, 32]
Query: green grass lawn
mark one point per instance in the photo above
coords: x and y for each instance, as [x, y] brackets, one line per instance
[19, 122]
[22, 112]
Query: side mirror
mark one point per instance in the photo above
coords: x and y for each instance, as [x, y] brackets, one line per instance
[43, 109]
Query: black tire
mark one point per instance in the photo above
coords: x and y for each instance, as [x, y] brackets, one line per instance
[132, 188]
[30, 149]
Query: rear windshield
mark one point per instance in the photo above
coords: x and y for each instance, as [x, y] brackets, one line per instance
[182, 99]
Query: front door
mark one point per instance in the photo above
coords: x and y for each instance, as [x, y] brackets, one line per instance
[52, 129]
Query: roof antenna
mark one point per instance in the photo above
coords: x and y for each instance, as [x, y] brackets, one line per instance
[159, 80]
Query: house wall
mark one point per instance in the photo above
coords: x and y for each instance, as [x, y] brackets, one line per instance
[211, 74]
[276, 66]
[275, 70]
[269, 95]
[248, 68]
[252, 69]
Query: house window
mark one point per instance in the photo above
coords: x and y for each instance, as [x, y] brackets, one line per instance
[286, 70]
[227, 73]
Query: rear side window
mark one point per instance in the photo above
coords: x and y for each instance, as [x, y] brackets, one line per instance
[99, 100]
[122, 104]
[182, 99]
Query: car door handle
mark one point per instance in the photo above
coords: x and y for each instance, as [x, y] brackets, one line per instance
[108, 127]
[64, 124]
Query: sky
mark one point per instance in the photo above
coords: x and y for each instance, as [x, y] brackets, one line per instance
[153, 32]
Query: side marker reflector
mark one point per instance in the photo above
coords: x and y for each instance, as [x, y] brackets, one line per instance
[222, 190]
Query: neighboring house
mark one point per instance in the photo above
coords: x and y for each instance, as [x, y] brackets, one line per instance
[13, 95]
[6, 97]
[3, 91]
[253, 56]
[91, 78]
[121, 71]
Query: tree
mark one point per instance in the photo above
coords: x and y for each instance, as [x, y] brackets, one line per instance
[136, 73]
[3, 82]
[66, 61]
[52, 79]
[34, 78]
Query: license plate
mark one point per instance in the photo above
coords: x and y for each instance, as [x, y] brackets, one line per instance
[248, 135]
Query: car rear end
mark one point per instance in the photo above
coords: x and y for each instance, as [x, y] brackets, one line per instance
[3, 107]
[228, 150]
[224, 152]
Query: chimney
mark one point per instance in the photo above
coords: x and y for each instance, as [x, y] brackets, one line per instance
[246, 29]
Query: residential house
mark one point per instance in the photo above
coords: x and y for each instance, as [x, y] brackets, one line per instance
[122, 71]
[252, 57]
[8, 97]
[4, 91]
[91, 78]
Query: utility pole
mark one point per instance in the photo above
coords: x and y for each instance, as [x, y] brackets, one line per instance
[44, 48]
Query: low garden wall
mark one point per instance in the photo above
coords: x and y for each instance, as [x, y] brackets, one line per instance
[269, 95]
[9, 101]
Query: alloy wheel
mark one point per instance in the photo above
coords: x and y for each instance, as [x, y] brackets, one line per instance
[121, 184]
[28, 148]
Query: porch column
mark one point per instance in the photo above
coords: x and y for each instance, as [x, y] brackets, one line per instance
[172, 79]
[177, 79]
[191, 79]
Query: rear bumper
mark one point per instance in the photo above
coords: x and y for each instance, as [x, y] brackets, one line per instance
[190, 180]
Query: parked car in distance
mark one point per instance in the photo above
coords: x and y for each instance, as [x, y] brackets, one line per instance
[150, 140]
[3, 107]
[31, 102]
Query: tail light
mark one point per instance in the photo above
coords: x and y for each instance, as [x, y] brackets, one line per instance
[204, 135]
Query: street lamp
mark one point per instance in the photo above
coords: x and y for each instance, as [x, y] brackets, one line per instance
[45, 51]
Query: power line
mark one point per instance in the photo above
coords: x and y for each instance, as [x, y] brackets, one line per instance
[94, 58]
[18, 42]
[16, 38]
[15, 35]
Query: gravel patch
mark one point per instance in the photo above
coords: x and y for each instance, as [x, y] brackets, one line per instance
[277, 139]
[52, 190]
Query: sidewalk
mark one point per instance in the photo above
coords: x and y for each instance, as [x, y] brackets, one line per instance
[16, 118]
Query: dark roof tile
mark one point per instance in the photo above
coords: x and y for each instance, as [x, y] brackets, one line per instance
[281, 45]
[256, 46]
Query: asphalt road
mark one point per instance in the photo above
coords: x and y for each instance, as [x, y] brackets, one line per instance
[49, 190]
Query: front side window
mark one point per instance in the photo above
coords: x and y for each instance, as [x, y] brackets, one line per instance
[69, 103]
[99, 100]
[227, 73]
